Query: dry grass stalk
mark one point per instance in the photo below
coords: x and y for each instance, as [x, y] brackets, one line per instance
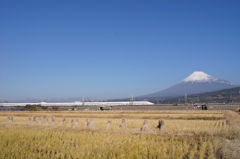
[10, 118]
[71, 123]
[109, 125]
[89, 124]
[76, 122]
[39, 120]
[123, 124]
[29, 120]
[34, 120]
[63, 121]
[45, 120]
[161, 125]
[145, 126]
[86, 123]
[53, 120]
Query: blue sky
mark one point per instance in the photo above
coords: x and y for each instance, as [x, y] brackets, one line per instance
[113, 49]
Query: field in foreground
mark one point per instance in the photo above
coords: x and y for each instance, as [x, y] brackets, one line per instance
[187, 134]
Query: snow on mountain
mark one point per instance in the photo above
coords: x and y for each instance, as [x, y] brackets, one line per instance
[199, 76]
[197, 82]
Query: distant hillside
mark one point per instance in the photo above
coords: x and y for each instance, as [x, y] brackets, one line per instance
[197, 82]
[222, 96]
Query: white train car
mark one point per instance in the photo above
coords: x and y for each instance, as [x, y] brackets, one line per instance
[17, 104]
[46, 104]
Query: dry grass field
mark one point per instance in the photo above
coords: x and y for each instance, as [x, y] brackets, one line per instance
[103, 134]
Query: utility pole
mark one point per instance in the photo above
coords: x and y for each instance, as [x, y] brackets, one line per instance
[186, 98]
[83, 101]
[132, 100]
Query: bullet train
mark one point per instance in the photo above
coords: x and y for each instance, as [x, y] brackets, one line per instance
[80, 103]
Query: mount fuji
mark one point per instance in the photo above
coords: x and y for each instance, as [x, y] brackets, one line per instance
[197, 82]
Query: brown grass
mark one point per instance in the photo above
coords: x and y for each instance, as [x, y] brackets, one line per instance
[203, 126]
[230, 142]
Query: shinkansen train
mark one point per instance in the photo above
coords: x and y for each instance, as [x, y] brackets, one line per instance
[80, 103]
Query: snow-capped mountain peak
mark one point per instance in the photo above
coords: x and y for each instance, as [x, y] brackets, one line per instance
[197, 82]
[199, 76]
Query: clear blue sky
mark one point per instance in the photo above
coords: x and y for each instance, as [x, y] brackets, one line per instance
[114, 49]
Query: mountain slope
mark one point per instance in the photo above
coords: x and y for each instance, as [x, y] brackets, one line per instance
[197, 82]
[220, 96]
